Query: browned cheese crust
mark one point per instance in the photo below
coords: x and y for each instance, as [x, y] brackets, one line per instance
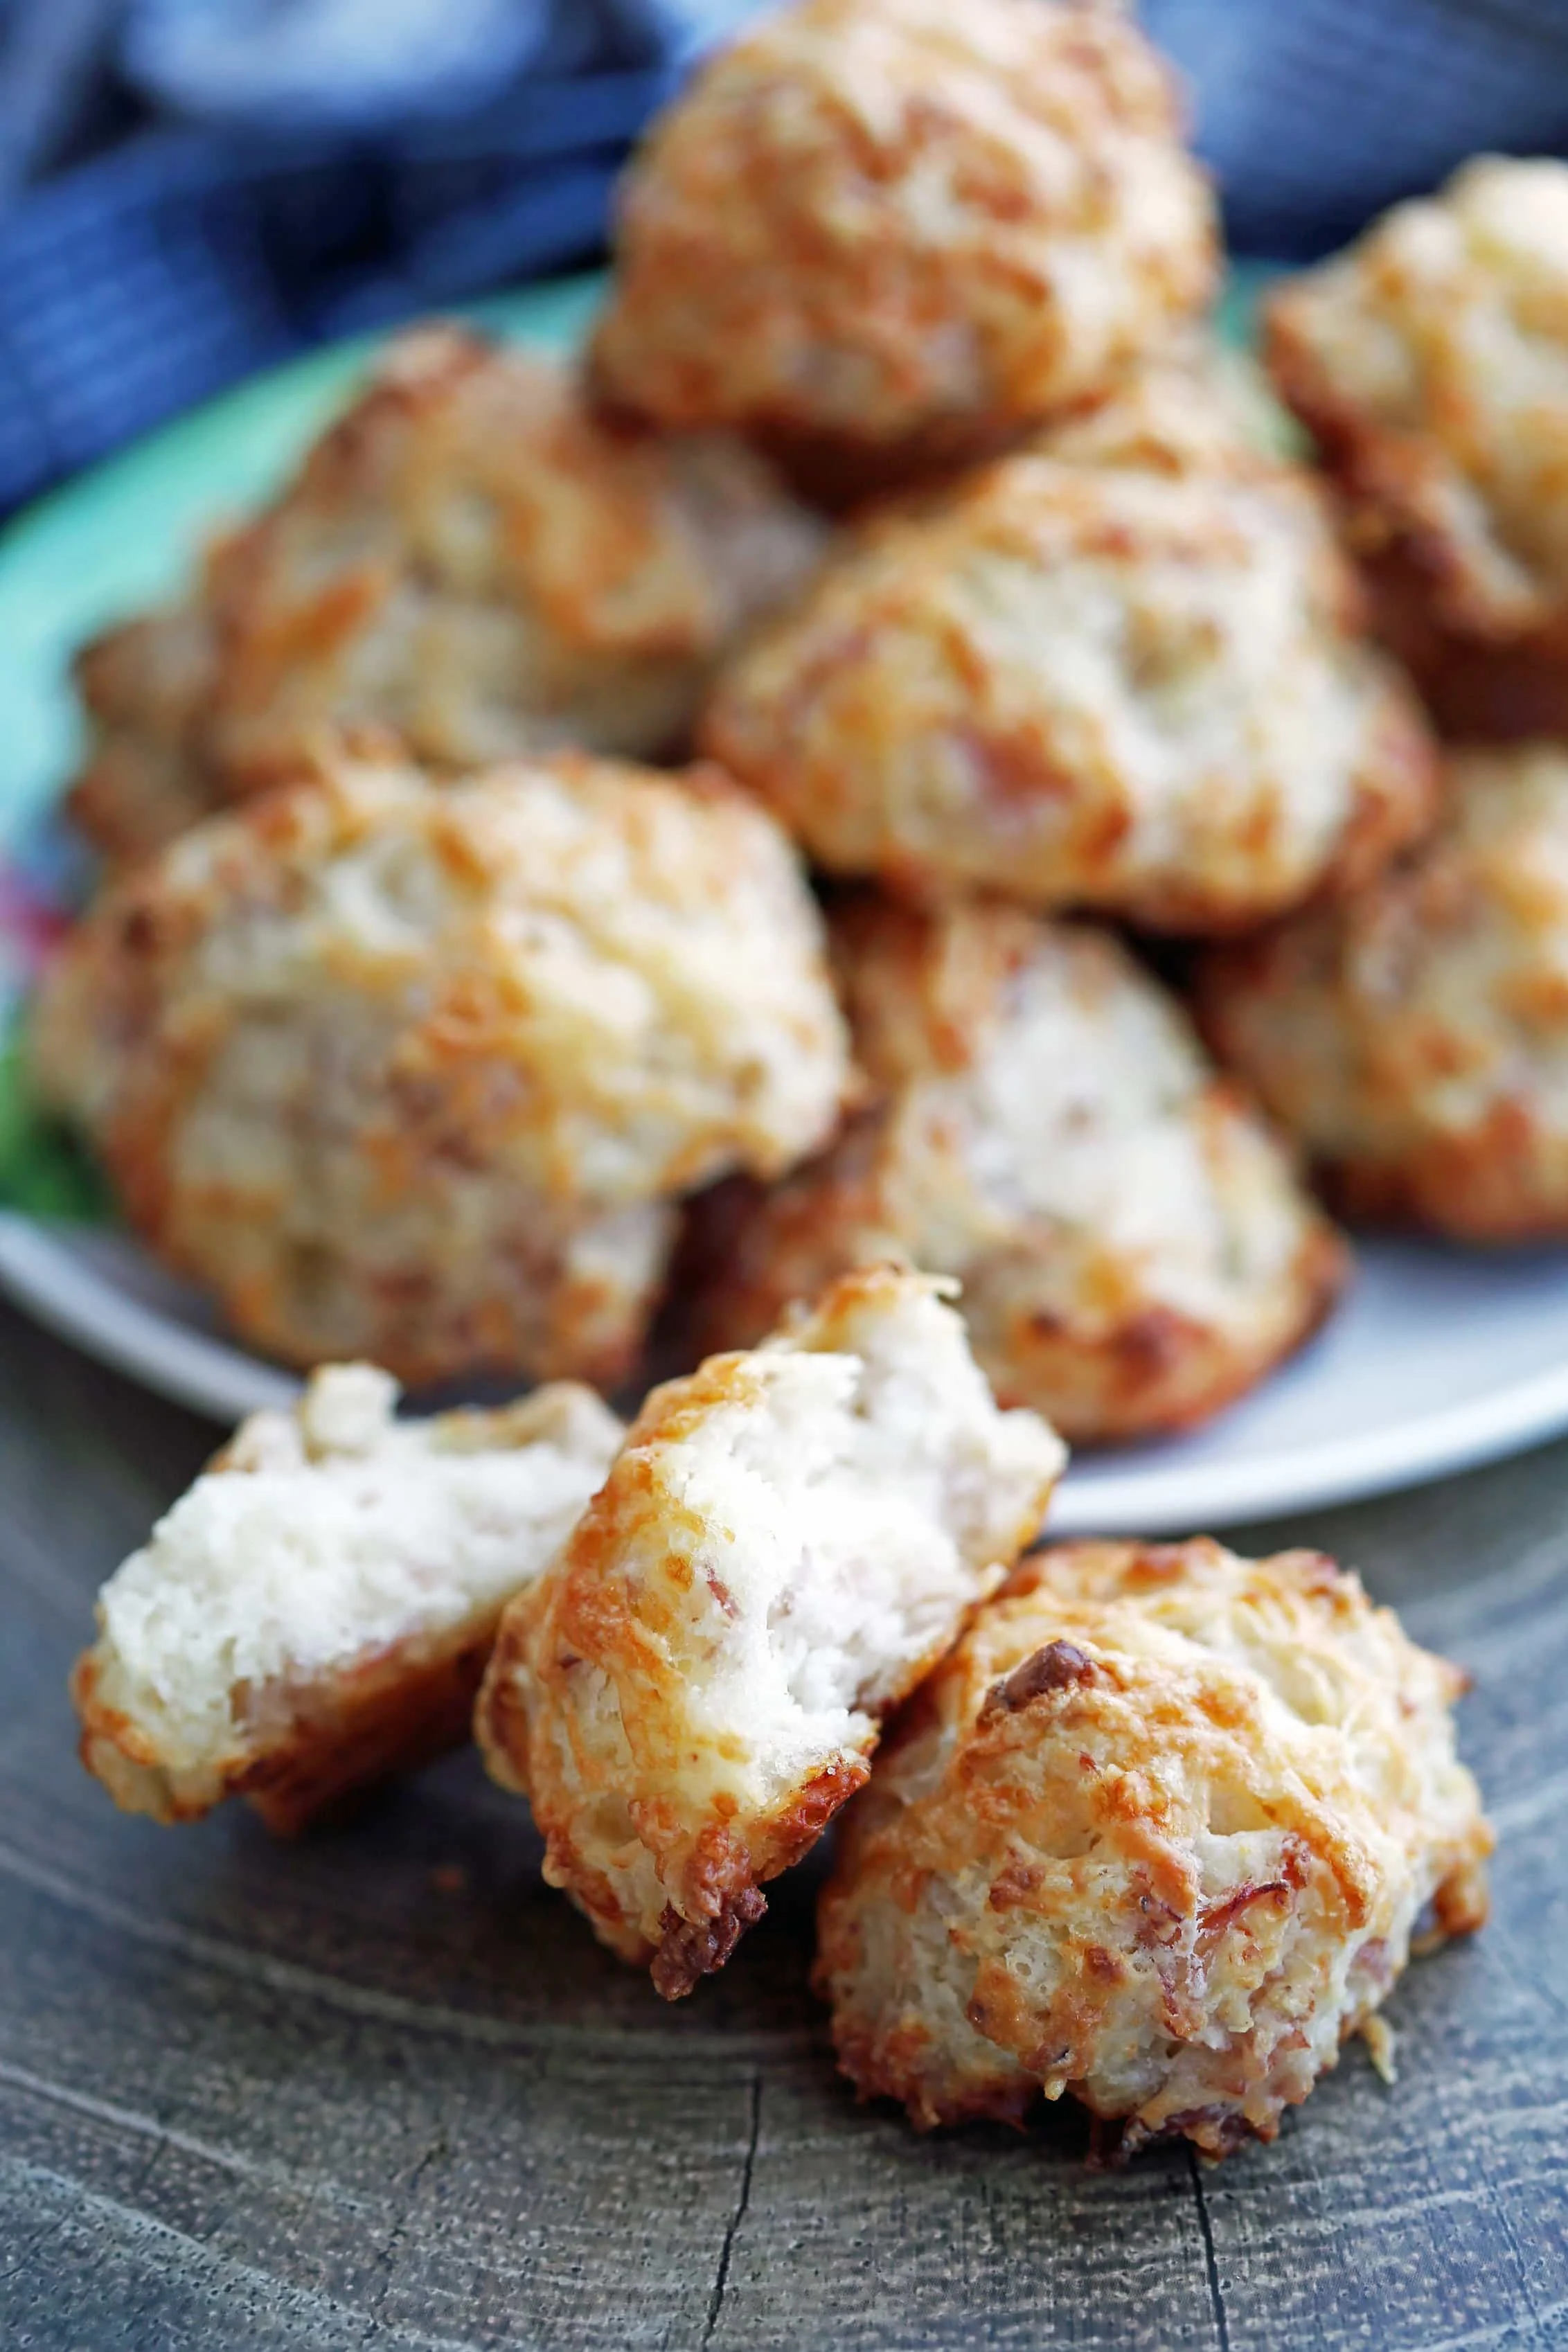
[1122, 670]
[1134, 1247]
[1415, 1040]
[312, 1746]
[470, 560]
[1199, 407]
[786, 1542]
[893, 231]
[1158, 1832]
[415, 1075]
[1430, 361]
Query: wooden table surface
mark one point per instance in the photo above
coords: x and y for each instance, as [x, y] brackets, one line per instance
[382, 2088]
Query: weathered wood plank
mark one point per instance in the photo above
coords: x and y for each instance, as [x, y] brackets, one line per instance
[382, 2089]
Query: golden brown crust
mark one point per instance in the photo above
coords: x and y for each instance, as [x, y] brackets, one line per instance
[1411, 1038]
[1120, 1845]
[468, 560]
[1134, 1248]
[1427, 362]
[143, 685]
[787, 1541]
[1127, 686]
[415, 1075]
[871, 226]
[1478, 690]
[312, 1746]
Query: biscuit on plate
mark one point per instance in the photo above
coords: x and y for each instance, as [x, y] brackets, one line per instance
[899, 230]
[785, 1543]
[415, 1074]
[1195, 409]
[467, 558]
[317, 1611]
[1133, 1244]
[1129, 686]
[1430, 361]
[1159, 1832]
[1415, 1039]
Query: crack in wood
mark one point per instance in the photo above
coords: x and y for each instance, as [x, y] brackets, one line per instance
[722, 2278]
[1217, 2292]
[438, 2146]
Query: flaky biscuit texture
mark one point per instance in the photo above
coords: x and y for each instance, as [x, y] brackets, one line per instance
[1158, 1832]
[417, 1073]
[786, 1541]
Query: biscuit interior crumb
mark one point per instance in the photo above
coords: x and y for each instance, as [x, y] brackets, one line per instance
[850, 1500]
[324, 1537]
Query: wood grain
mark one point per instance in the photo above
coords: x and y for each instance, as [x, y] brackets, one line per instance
[382, 2089]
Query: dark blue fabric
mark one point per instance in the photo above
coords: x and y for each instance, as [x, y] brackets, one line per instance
[1317, 114]
[200, 243]
[184, 260]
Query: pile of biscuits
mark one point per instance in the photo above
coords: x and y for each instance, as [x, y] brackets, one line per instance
[435, 1018]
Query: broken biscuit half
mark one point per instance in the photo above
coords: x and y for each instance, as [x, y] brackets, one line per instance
[788, 1540]
[317, 1611]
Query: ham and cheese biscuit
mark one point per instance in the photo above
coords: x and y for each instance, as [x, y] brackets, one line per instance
[1106, 673]
[1415, 1040]
[1134, 1248]
[895, 231]
[1160, 1832]
[785, 1543]
[469, 560]
[417, 1073]
[1430, 361]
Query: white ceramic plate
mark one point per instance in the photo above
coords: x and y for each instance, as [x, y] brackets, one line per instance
[1438, 1359]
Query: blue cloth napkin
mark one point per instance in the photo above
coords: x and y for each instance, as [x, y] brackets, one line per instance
[256, 175]
[299, 170]
[1316, 114]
